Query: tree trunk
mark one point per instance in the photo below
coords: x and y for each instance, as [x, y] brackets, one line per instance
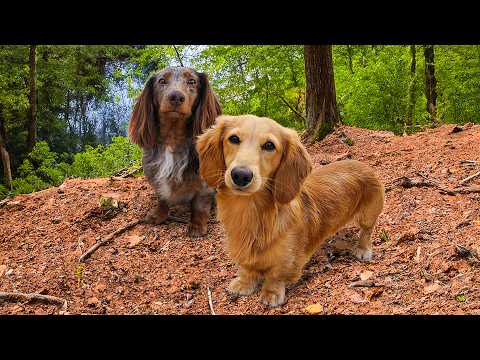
[350, 57]
[321, 102]
[430, 83]
[32, 114]
[7, 171]
[411, 89]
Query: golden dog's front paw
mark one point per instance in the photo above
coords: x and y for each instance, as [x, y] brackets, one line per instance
[273, 297]
[241, 287]
[362, 253]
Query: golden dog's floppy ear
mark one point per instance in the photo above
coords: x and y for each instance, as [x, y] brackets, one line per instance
[142, 128]
[294, 167]
[207, 108]
[210, 154]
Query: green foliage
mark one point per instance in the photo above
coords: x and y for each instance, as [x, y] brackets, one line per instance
[43, 168]
[3, 192]
[103, 161]
[39, 171]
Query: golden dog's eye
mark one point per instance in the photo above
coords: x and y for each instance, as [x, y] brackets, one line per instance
[162, 81]
[269, 146]
[234, 139]
[191, 82]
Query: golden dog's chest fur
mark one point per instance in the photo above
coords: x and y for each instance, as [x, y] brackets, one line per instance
[276, 221]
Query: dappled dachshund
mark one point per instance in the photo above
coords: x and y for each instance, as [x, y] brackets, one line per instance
[277, 211]
[175, 106]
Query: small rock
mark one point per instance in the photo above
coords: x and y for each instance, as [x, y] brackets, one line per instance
[314, 309]
[9, 272]
[456, 129]
[365, 275]
[362, 283]
[189, 296]
[61, 189]
[189, 303]
[428, 289]
[93, 302]
[328, 285]
[56, 220]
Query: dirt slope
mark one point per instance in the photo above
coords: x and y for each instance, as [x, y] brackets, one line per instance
[416, 268]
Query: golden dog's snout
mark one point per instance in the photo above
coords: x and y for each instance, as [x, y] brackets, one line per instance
[241, 176]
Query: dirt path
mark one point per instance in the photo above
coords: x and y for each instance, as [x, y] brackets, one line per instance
[416, 268]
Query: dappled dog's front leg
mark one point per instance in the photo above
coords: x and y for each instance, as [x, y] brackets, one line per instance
[158, 214]
[201, 204]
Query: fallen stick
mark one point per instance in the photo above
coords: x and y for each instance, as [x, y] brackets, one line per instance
[4, 201]
[477, 174]
[108, 238]
[210, 301]
[38, 298]
[408, 183]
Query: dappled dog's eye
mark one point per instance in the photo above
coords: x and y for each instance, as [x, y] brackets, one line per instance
[234, 139]
[192, 82]
[269, 146]
[162, 81]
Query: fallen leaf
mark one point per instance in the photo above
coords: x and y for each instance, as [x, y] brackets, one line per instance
[365, 275]
[356, 298]
[373, 293]
[134, 240]
[314, 308]
[460, 298]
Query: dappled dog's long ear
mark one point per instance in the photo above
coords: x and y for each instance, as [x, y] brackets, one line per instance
[294, 167]
[208, 107]
[143, 129]
[210, 154]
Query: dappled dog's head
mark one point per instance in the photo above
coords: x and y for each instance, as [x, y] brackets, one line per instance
[250, 154]
[176, 94]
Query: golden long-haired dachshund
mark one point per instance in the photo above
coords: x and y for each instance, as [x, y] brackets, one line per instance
[277, 211]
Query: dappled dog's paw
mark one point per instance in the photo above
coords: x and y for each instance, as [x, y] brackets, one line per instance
[273, 298]
[154, 218]
[196, 231]
[239, 287]
[362, 253]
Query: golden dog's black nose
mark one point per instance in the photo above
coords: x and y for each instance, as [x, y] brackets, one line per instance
[242, 176]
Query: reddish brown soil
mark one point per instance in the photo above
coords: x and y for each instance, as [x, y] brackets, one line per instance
[416, 270]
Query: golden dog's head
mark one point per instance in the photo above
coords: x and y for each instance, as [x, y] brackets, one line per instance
[249, 154]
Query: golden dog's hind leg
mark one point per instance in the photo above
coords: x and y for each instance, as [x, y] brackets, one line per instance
[366, 220]
[246, 283]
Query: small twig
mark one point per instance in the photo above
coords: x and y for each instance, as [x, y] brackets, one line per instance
[469, 178]
[468, 162]
[210, 301]
[178, 56]
[108, 238]
[408, 183]
[38, 298]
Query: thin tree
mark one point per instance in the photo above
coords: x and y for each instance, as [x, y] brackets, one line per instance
[321, 102]
[32, 113]
[7, 172]
[411, 88]
[430, 82]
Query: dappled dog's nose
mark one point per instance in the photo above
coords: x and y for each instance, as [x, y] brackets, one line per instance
[241, 176]
[176, 98]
